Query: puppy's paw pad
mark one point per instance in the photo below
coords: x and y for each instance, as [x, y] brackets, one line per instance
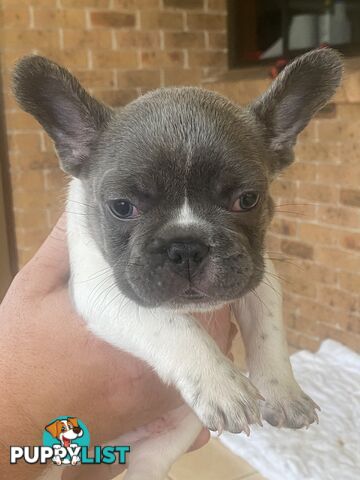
[231, 404]
[294, 410]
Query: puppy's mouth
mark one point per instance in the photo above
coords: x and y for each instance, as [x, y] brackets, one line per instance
[66, 442]
[192, 293]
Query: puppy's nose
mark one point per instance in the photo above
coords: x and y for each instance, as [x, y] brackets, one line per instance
[77, 429]
[187, 254]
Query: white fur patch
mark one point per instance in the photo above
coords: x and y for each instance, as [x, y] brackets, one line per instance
[186, 216]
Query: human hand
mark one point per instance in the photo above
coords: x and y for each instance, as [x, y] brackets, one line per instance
[52, 365]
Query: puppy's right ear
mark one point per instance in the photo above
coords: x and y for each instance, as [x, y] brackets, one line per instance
[54, 428]
[71, 117]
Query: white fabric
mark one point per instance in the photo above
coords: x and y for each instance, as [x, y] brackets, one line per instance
[328, 451]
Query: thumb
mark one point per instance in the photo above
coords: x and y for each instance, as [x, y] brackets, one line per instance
[49, 268]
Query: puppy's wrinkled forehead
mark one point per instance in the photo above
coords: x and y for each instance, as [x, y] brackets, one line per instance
[180, 141]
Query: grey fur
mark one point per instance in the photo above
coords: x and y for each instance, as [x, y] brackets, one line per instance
[172, 144]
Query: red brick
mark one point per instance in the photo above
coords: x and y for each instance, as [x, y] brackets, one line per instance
[135, 39]
[162, 59]
[350, 197]
[306, 172]
[336, 130]
[33, 161]
[94, 39]
[111, 59]
[297, 249]
[112, 19]
[139, 78]
[218, 5]
[343, 216]
[206, 21]
[318, 234]
[55, 180]
[59, 18]
[16, 38]
[316, 152]
[176, 40]
[179, 76]
[338, 299]
[284, 227]
[136, 4]
[184, 4]
[117, 98]
[336, 258]
[349, 152]
[350, 241]
[310, 133]
[15, 16]
[344, 175]
[299, 285]
[349, 281]
[307, 271]
[153, 20]
[71, 58]
[205, 58]
[218, 41]
[316, 193]
[96, 78]
[85, 3]
[284, 189]
[25, 142]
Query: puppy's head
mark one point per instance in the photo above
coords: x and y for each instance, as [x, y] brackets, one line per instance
[177, 182]
[65, 430]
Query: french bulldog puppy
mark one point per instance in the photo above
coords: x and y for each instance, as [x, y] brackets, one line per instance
[169, 205]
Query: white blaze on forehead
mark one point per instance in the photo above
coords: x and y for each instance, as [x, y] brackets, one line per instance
[185, 215]
[65, 424]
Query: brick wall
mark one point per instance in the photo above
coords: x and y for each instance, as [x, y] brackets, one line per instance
[120, 49]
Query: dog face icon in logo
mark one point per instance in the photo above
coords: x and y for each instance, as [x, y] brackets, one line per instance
[66, 435]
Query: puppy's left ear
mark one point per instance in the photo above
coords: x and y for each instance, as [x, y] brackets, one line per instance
[72, 117]
[301, 89]
[73, 421]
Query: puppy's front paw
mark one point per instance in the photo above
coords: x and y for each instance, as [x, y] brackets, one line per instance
[229, 402]
[290, 407]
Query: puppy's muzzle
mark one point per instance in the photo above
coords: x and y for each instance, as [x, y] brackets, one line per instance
[186, 257]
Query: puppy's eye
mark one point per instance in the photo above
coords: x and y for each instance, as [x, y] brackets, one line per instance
[246, 201]
[123, 209]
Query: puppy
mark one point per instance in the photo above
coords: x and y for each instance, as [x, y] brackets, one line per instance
[169, 207]
[65, 431]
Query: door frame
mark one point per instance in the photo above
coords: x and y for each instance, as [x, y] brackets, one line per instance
[8, 256]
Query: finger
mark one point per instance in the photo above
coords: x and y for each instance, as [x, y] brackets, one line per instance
[50, 265]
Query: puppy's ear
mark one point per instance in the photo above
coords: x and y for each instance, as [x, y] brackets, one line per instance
[73, 421]
[54, 428]
[301, 89]
[71, 117]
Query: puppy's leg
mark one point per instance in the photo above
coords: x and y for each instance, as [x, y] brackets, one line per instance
[260, 318]
[152, 458]
[184, 355]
